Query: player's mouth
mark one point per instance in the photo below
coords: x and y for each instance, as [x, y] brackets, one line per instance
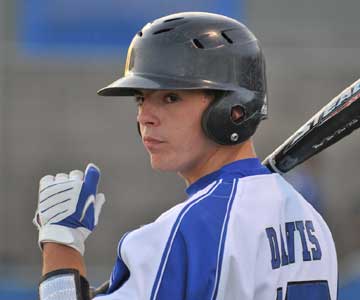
[152, 144]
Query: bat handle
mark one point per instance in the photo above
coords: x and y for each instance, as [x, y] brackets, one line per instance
[270, 164]
[100, 290]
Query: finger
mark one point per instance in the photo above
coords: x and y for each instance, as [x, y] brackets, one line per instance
[57, 191]
[99, 202]
[76, 175]
[92, 165]
[92, 176]
[45, 181]
[61, 177]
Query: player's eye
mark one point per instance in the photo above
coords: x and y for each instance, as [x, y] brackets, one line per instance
[139, 99]
[171, 98]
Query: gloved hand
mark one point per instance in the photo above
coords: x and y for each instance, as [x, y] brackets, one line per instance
[69, 207]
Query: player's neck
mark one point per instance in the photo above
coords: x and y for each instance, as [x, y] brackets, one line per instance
[221, 157]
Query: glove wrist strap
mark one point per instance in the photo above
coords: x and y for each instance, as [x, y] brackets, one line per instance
[72, 237]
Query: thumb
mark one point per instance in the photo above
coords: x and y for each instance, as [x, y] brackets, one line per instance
[99, 201]
[92, 177]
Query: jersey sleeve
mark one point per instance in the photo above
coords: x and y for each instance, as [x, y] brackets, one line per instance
[120, 272]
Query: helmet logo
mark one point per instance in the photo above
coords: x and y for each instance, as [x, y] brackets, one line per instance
[129, 59]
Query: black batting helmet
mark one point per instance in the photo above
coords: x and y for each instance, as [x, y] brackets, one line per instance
[196, 50]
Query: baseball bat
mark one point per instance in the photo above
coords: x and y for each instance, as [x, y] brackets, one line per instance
[335, 120]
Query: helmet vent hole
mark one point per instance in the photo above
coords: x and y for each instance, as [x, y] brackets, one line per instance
[198, 44]
[237, 114]
[173, 19]
[140, 33]
[227, 38]
[163, 30]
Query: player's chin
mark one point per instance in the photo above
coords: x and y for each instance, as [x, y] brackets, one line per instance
[161, 163]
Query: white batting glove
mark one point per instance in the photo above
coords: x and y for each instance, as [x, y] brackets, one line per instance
[69, 207]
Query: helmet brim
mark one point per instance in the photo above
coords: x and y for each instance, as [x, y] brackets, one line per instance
[129, 85]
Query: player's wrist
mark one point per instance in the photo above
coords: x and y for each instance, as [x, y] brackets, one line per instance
[57, 256]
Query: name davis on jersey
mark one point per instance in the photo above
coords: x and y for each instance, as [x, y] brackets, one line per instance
[281, 256]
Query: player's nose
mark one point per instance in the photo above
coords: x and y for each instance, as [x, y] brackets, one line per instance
[148, 114]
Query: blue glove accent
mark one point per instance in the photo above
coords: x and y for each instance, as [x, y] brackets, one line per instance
[88, 189]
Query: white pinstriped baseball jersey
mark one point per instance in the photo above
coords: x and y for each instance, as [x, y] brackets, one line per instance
[243, 234]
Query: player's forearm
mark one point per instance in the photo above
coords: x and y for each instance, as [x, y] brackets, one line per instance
[57, 256]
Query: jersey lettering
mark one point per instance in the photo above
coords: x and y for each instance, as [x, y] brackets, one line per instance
[290, 229]
[282, 256]
[274, 247]
[301, 228]
[316, 252]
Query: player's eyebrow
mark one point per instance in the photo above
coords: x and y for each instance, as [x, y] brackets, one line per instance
[144, 92]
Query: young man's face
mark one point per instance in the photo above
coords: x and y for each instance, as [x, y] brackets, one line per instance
[170, 125]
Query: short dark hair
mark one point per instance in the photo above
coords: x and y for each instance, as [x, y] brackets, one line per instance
[215, 94]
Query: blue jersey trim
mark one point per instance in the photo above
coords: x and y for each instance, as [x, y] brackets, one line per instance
[171, 238]
[223, 238]
[120, 273]
[237, 169]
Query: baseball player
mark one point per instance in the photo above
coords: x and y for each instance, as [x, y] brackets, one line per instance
[243, 233]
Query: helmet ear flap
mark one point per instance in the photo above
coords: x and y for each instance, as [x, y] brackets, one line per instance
[233, 117]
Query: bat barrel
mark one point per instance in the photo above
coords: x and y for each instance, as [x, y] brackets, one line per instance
[337, 119]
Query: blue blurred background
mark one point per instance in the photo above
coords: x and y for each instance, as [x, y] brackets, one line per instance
[54, 55]
[93, 26]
